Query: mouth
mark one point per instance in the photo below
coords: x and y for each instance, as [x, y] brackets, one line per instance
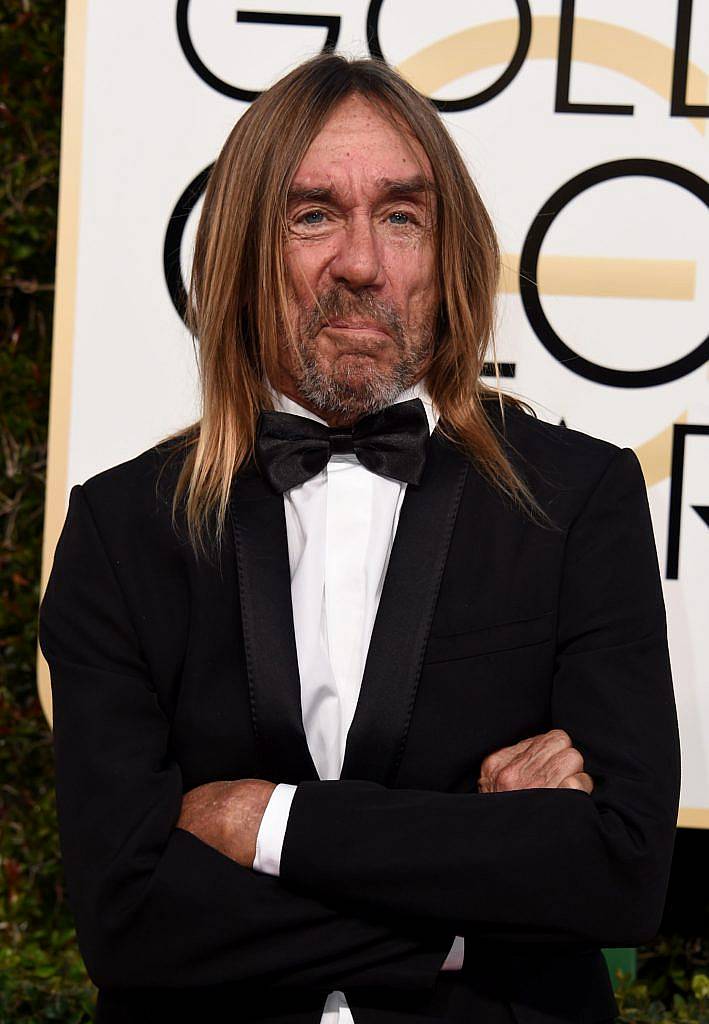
[358, 327]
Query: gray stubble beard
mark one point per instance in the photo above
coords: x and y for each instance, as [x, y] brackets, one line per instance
[331, 393]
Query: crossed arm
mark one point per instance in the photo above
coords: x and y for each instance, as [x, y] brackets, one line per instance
[227, 814]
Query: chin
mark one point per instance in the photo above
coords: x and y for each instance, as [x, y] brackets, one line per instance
[365, 392]
[361, 378]
[355, 385]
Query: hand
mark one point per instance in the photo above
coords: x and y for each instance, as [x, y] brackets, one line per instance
[548, 761]
[227, 815]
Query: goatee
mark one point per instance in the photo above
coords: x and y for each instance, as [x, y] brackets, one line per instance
[349, 390]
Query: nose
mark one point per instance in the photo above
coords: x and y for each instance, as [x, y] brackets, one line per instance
[357, 262]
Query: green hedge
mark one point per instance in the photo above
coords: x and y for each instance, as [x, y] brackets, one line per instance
[42, 977]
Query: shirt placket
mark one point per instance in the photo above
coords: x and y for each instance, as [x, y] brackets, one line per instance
[347, 537]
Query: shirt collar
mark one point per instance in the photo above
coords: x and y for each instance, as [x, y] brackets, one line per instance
[282, 403]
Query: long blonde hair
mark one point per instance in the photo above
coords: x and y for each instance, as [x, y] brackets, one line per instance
[238, 284]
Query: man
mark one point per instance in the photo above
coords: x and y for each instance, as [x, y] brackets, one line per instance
[362, 696]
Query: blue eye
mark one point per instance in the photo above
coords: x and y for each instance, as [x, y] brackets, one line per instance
[312, 214]
[402, 218]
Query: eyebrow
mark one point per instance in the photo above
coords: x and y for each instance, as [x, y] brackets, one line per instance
[390, 188]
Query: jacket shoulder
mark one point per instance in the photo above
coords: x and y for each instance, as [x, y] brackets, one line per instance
[136, 494]
[562, 465]
[555, 444]
[135, 473]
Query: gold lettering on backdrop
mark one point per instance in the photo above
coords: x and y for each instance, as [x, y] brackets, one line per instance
[612, 47]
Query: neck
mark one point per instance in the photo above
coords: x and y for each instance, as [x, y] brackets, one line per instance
[333, 419]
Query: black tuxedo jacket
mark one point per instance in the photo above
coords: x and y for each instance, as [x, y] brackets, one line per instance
[169, 671]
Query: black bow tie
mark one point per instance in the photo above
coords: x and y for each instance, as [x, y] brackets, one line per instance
[392, 442]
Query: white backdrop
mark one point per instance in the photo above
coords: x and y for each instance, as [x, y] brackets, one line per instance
[615, 202]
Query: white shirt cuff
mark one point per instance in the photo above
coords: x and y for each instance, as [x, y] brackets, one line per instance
[454, 960]
[272, 830]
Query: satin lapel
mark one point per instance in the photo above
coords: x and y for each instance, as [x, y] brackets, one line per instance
[261, 542]
[376, 738]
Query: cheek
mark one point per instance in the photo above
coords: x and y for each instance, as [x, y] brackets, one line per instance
[420, 296]
[410, 267]
[428, 291]
[305, 266]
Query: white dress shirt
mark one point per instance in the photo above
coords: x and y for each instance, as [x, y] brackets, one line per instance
[340, 525]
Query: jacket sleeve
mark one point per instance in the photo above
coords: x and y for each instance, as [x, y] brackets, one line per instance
[536, 864]
[153, 904]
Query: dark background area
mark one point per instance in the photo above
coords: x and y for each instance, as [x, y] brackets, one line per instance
[42, 977]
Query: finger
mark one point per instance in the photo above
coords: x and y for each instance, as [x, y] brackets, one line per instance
[558, 738]
[552, 742]
[524, 764]
[533, 760]
[499, 758]
[560, 766]
[582, 781]
[537, 769]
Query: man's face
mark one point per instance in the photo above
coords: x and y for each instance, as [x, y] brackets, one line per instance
[360, 260]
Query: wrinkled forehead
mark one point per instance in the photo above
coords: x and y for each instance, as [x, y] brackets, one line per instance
[362, 145]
